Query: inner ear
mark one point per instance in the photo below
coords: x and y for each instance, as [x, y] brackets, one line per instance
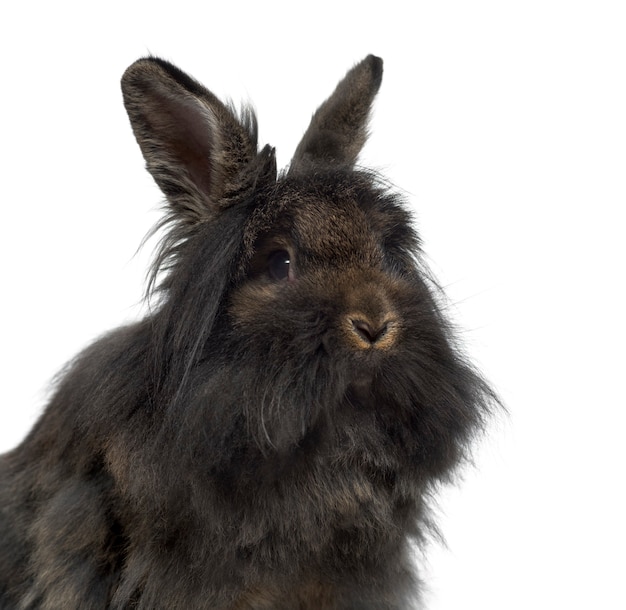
[188, 130]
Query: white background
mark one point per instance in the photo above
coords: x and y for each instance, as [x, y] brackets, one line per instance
[505, 123]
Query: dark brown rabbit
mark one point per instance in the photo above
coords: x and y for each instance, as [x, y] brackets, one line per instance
[268, 437]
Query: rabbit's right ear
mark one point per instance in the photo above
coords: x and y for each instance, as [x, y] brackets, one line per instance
[195, 147]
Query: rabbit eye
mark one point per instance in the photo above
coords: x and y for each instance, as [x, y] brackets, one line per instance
[279, 265]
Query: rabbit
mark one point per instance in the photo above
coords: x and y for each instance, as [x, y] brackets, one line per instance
[269, 435]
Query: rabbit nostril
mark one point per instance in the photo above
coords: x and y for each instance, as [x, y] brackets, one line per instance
[366, 332]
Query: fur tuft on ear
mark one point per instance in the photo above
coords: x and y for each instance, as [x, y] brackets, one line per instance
[338, 129]
[195, 146]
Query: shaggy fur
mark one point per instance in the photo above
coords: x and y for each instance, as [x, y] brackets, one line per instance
[268, 436]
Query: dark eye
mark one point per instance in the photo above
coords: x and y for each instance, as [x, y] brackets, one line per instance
[279, 265]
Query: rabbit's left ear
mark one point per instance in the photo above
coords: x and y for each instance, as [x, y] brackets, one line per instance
[195, 147]
[338, 129]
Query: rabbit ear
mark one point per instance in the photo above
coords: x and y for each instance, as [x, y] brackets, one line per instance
[194, 146]
[338, 128]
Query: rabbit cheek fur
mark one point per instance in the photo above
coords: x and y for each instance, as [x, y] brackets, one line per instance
[267, 437]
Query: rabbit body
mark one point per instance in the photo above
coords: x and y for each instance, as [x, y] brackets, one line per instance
[267, 437]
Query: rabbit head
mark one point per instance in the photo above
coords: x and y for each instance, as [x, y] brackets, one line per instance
[299, 297]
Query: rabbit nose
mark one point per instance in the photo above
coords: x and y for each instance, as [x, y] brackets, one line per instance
[365, 330]
[369, 333]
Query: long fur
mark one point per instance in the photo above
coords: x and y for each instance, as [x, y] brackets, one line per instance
[256, 442]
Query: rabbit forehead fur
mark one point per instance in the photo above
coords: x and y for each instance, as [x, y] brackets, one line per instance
[327, 226]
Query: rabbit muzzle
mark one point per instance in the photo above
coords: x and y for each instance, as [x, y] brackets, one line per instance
[370, 321]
